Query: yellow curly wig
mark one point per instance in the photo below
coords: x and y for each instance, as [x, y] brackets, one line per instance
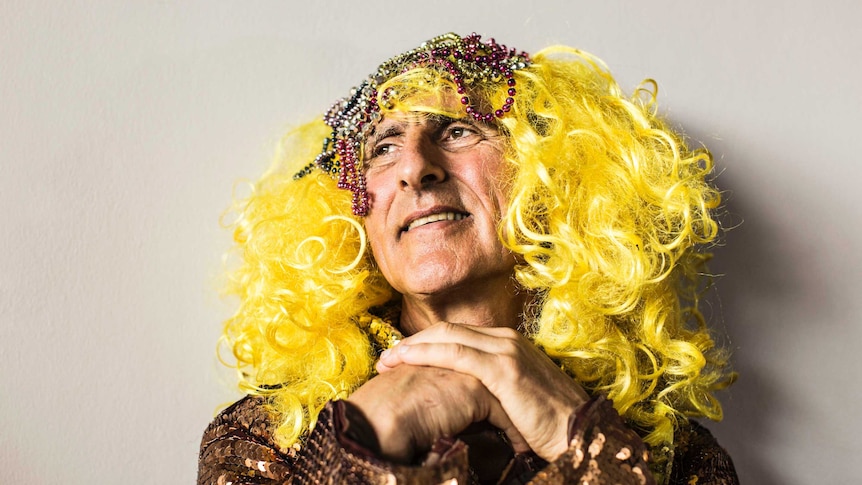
[609, 209]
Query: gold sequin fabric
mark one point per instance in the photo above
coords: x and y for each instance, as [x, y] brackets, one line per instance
[602, 450]
[382, 334]
[238, 447]
[700, 459]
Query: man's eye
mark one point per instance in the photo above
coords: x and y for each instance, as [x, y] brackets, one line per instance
[460, 136]
[457, 132]
[381, 150]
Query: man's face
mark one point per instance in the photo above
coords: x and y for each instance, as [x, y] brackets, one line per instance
[434, 186]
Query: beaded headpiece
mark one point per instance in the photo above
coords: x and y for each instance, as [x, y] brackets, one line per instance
[464, 60]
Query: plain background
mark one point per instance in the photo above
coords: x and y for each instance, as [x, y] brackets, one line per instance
[125, 125]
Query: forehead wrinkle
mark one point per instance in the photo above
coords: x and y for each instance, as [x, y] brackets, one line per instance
[394, 125]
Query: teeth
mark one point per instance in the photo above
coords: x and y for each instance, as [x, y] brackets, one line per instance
[443, 216]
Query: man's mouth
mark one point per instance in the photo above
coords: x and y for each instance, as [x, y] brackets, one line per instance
[442, 216]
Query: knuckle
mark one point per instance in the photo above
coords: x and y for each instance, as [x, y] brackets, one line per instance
[448, 328]
[459, 352]
[509, 350]
[508, 362]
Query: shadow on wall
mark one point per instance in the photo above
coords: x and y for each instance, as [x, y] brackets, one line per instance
[754, 278]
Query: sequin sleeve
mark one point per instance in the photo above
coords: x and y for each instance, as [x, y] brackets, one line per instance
[700, 459]
[602, 449]
[238, 448]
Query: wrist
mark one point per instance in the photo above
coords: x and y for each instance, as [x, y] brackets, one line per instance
[392, 440]
[354, 430]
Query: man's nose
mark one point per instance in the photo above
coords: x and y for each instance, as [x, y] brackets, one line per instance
[421, 164]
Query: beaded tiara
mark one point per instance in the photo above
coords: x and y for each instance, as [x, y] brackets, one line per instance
[464, 60]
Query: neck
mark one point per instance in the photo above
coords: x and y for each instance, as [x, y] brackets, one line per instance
[490, 305]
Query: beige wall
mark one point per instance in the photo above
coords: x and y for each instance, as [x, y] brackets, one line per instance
[123, 126]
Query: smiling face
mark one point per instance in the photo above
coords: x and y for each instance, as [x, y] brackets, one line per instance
[435, 201]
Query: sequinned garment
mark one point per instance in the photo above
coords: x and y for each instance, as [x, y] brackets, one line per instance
[238, 448]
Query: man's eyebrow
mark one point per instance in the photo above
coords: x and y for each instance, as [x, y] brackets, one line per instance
[436, 121]
[391, 130]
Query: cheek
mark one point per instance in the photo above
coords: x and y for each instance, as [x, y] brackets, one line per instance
[379, 187]
[491, 177]
[374, 230]
[375, 222]
[491, 194]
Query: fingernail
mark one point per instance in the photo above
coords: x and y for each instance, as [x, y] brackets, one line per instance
[402, 349]
[384, 354]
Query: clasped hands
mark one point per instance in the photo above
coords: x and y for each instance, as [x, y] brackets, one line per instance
[441, 380]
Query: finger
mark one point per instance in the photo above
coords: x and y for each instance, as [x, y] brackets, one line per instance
[386, 362]
[456, 357]
[488, 339]
[491, 340]
[513, 375]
